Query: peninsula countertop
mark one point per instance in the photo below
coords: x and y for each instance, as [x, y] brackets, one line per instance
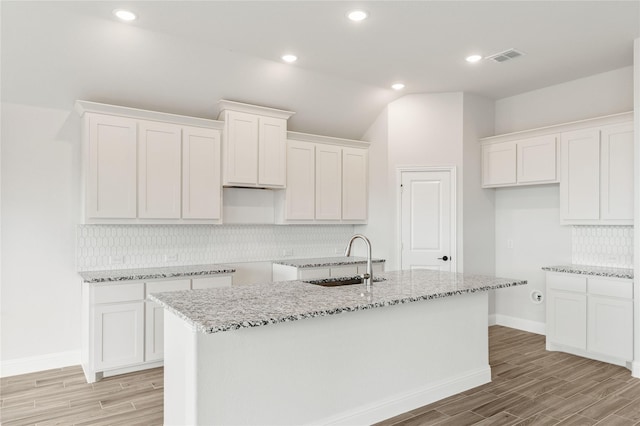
[319, 262]
[224, 309]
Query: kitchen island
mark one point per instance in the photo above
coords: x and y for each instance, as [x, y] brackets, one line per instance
[297, 353]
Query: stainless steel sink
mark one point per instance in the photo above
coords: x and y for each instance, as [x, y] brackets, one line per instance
[340, 281]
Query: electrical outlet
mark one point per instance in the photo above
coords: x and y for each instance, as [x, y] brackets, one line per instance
[509, 243]
[171, 257]
[116, 260]
[339, 250]
[287, 252]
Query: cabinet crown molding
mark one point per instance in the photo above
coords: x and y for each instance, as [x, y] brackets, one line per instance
[307, 137]
[83, 107]
[253, 109]
[560, 128]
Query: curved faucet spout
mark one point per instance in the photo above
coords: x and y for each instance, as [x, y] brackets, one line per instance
[368, 276]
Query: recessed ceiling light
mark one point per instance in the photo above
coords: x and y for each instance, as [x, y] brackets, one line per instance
[397, 86]
[289, 58]
[474, 58]
[357, 15]
[125, 15]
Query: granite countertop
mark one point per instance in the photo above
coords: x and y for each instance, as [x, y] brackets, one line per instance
[154, 273]
[325, 261]
[224, 309]
[600, 271]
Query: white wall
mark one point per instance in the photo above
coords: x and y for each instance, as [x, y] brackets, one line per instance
[425, 130]
[530, 215]
[478, 204]
[40, 189]
[432, 130]
[601, 94]
[636, 262]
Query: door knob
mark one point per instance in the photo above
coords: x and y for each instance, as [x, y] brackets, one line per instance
[445, 258]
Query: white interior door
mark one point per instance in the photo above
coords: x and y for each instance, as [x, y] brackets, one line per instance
[427, 224]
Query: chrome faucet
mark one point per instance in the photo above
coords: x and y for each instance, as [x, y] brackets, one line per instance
[368, 276]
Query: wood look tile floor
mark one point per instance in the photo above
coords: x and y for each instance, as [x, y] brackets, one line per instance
[530, 387]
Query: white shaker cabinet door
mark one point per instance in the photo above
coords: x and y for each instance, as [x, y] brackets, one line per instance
[241, 148]
[201, 173]
[159, 170]
[611, 326]
[272, 147]
[617, 173]
[536, 160]
[567, 319]
[119, 338]
[499, 164]
[301, 173]
[354, 184]
[328, 182]
[580, 181]
[111, 167]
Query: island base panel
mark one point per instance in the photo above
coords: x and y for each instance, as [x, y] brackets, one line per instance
[351, 368]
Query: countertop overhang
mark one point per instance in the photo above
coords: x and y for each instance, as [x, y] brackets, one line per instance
[217, 310]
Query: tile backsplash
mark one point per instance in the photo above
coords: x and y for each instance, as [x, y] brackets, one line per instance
[610, 246]
[101, 247]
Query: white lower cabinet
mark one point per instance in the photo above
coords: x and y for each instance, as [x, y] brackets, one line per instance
[590, 316]
[122, 330]
[119, 329]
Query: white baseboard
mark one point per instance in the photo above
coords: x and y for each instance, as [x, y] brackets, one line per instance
[381, 410]
[32, 364]
[518, 323]
[635, 369]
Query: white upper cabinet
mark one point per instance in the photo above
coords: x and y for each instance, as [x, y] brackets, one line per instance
[241, 148]
[272, 146]
[201, 185]
[580, 183]
[159, 170]
[536, 159]
[597, 176]
[301, 174]
[354, 184]
[110, 167]
[254, 145]
[616, 171]
[328, 182]
[499, 164]
[149, 167]
[520, 162]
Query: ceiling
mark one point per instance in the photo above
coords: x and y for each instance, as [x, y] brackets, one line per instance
[183, 56]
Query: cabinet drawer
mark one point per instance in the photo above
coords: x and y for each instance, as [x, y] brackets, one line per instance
[612, 288]
[344, 271]
[567, 282]
[212, 282]
[313, 273]
[171, 285]
[118, 293]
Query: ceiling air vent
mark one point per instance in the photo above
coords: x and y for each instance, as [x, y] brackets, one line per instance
[505, 56]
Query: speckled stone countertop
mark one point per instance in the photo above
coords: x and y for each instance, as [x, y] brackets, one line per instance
[325, 261]
[154, 273]
[599, 271]
[224, 309]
